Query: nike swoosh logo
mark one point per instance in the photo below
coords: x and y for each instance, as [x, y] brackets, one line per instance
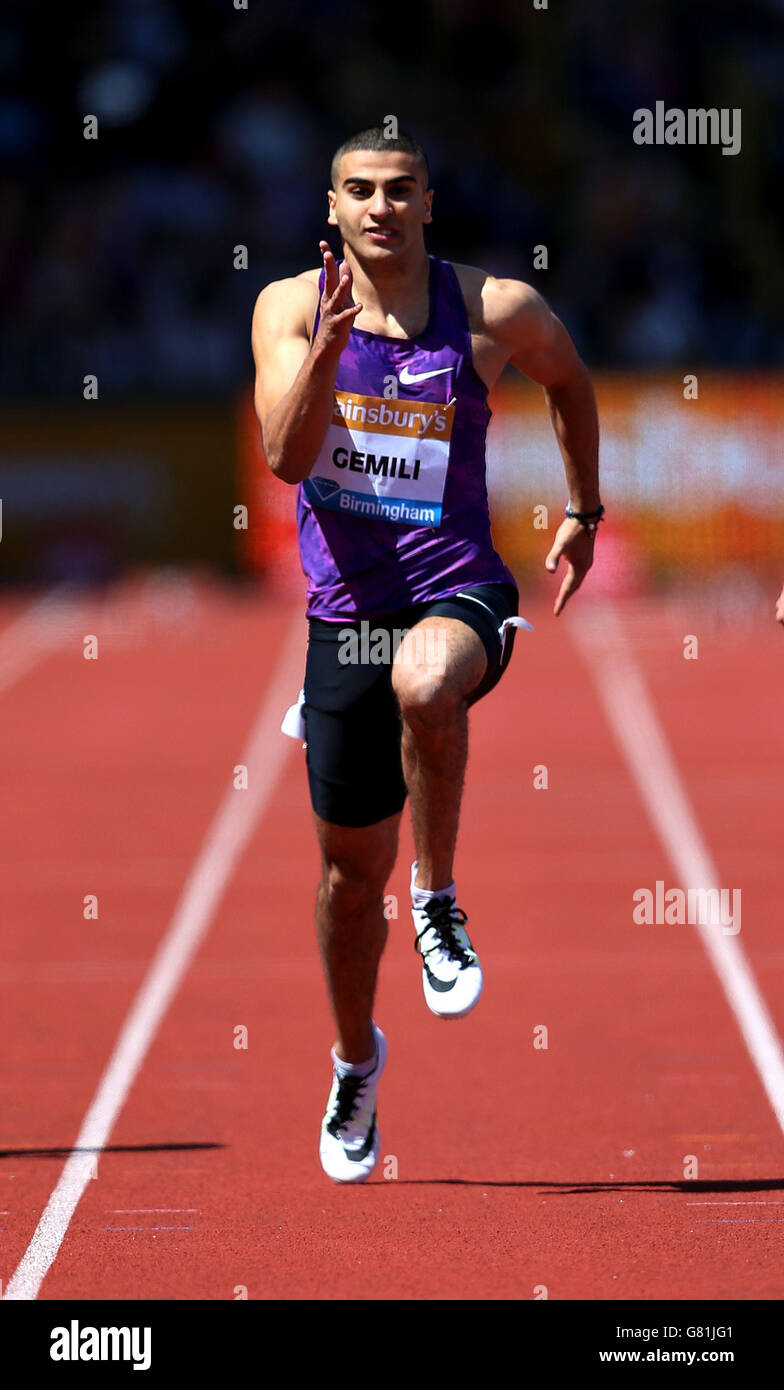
[472, 598]
[408, 378]
[357, 1155]
[440, 986]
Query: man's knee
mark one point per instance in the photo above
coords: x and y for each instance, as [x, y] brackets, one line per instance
[427, 699]
[357, 864]
[345, 888]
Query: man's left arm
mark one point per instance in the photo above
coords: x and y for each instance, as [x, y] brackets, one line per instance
[539, 346]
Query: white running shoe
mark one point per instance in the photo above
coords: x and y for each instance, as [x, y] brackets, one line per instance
[451, 973]
[350, 1142]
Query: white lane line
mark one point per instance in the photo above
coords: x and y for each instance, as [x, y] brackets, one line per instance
[622, 690]
[265, 755]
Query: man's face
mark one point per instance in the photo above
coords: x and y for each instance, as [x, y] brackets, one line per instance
[380, 203]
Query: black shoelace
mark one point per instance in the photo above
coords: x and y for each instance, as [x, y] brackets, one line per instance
[444, 916]
[348, 1098]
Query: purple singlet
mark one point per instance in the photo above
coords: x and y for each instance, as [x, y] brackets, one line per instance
[394, 511]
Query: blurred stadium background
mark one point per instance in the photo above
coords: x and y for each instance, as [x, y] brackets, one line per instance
[216, 126]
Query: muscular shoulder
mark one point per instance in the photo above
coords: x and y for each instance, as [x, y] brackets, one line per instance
[501, 308]
[288, 306]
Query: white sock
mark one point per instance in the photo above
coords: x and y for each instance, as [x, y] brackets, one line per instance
[421, 896]
[354, 1068]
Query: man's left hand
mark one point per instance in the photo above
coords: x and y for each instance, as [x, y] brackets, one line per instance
[575, 543]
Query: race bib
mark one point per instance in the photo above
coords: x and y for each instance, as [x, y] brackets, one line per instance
[385, 460]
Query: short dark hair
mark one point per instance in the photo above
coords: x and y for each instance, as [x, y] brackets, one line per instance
[376, 140]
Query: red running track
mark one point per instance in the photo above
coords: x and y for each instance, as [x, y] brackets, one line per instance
[519, 1169]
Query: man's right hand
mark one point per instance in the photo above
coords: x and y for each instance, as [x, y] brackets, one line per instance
[780, 607]
[338, 310]
[294, 393]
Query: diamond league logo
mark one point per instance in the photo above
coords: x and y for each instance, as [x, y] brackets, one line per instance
[324, 487]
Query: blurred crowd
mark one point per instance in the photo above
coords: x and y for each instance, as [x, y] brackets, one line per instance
[216, 126]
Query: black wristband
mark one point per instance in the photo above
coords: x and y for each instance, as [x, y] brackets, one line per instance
[588, 520]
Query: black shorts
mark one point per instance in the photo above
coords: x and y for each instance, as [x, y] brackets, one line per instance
[352, 717]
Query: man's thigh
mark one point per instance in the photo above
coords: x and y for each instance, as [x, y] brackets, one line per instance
[458, 643]
[352, 712]
[439, 654]
[353, 729]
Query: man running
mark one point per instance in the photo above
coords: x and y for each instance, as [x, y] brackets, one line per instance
[371, 392]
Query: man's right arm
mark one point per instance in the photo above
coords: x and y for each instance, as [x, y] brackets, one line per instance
[295, 381]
